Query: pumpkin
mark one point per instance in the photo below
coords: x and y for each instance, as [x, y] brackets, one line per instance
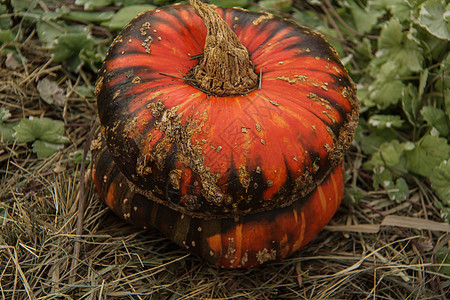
[225, 129]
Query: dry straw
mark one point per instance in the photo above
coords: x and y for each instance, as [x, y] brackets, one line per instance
[375, 250]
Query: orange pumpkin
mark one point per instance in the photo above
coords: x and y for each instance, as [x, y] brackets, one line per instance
[228, 136]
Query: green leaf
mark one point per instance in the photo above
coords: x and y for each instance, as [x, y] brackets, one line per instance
[370, 139]
[6, 36]
[381, 177]
[50, 92]
[93, 57]
[398, 8]
[436, 117]
[443, 258]
[276, 5]
[6, 129]
[428, 153]
[440, 181]
[398, 192]
[92, 4]
[4, 115]
[353, 195]
[6, 132]
[385, 121]
[306, 17]
[410, 103]
[85, 91]
[44, 129]
[91, 16]
[77, 157]
[230, 3]
[364, 19]
[23, 5]
[385, 92]
[125, 15]
[5, 22]
[67, 49]
[434, 17]
[49, 31]
[45, 149]
[390, 154]
[396, 47]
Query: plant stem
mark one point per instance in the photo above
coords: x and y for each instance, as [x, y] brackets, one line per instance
[225, 67]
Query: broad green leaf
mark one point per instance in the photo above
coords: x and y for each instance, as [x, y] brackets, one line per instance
[371, 143]
[364, 19]
[422, 82]
[49, 31]
[77, 157]
[428, 153]
[5, 22]
[51, 15]
[434, 17]
[400, 9]
[436, 117]
[390, 154]
[382, 177]
[6, 132]
[23, 5]
[398, 192]
[370, 139]
[67, 49]
[125, 15]
[44, 129]
[85, 91]
[385, 121]
[277, 5]
[306, 18]
[50, 92]
[395, 47]
[230, 3]
[45, 149]
[353, 195]
[386, 92]
[4, 115]
[6, 129]
[93, 57]
[91, 16]
[440, 181]
[6, 36]
[410, 103]
[363, 95]
[92, 4]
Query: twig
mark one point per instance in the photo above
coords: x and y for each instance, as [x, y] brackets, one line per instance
[196, 56]
[174, 76]
[81, 207]
[333, 23]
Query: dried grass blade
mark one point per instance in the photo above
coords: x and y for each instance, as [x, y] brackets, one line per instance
[363, 228]
[416, 223]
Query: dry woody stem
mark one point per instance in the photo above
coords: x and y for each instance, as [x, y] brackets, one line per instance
[225, 67]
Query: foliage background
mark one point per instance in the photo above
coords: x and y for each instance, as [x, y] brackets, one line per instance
[396, 52]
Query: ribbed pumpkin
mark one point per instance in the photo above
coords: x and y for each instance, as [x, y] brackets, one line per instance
[226, 131]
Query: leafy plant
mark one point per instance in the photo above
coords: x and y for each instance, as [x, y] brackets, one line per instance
[6, 129]
[46, 134]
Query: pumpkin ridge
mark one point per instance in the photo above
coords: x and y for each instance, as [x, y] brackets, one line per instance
[175, 14]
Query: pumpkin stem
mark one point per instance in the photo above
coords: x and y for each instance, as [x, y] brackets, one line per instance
[225, 67]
